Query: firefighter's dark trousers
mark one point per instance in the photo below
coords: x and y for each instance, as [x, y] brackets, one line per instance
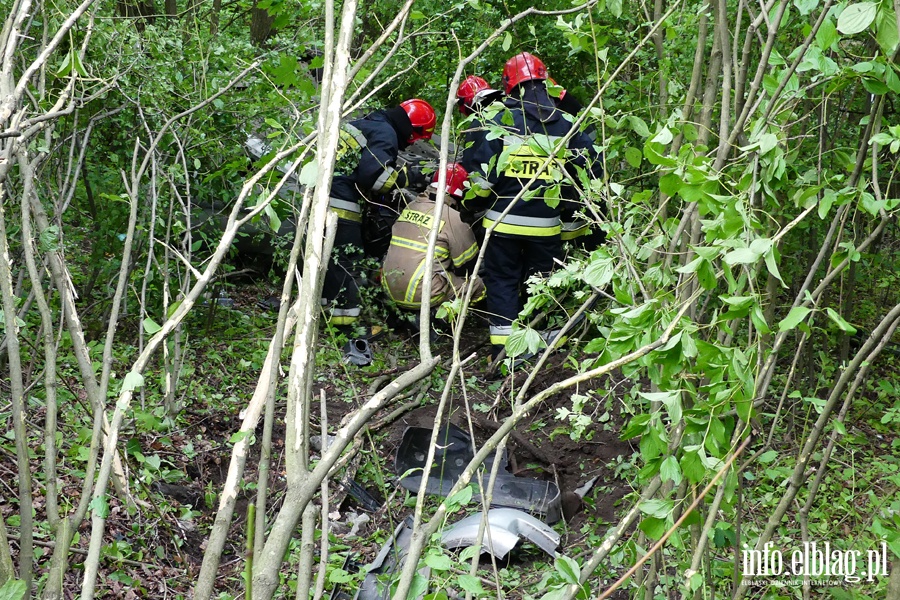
[340, 290]
[508, 262]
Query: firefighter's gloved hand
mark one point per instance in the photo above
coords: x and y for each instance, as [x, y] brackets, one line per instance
[415, 179]
[469, 217]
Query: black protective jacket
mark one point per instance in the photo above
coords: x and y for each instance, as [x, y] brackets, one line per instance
[367, 160]
[500, 167]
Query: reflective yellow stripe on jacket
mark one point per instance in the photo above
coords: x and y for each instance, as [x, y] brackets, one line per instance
[525, 226]
[409, 296]
[574, 229]
[470, 253]
[439, 252]
[345, 209]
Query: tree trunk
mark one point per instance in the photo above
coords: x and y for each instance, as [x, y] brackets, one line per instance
[214, 17]
[260, 25]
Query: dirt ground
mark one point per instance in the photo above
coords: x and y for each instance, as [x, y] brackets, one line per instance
[162, 565]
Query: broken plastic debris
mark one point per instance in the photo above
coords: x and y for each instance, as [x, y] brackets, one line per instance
[452, 454]
[357, 352]
[377, 584]
[505, 527]
[582, 491]
[356, 521]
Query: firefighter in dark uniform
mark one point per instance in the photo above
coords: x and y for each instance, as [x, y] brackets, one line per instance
[576, 229]
[527, 240]
[473, 96]
[367, 163]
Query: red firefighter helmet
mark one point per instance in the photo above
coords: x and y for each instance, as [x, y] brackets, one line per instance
[471, 89]
[422, 117]
[456, 179]
[522, 67]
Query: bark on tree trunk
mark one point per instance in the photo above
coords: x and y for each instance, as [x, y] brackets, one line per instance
[142, 11]
[260, 25]
[214, 17]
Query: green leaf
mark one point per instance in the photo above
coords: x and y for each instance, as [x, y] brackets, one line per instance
[654, 527]
[600, 271]
[418, 586]
[523, 341]
[673, 407]
[49, 239]
[857, 17]
[470, 583]
[688, 345]
[467, 553]
[615, 7]
[13, 589]
[893, 83]
[767, 457]
[460, 498]
[772, 266]
[172, 308]
[741, 256]
[338, 576]
[767, 141]
[828, 198]
[653, 152]
[507, 41]
[416, 15]
[695, 581]
[274, 219]
[827, 35]
[65, 65]
[882, 139]
[886, 31]
[692, 466]
[150, 326]
[308, 173]
[238, 436]
[154, 462]
[636, 426]
[797, 314]
[869, 204]
[557, 592]
[656, 507]
[875, 86]
[806, 6]
[670, 184]
[842, 324]
[664, 136]
[639, 126]
[759, 320]
[132, 381]
[691, 267]
[633, 157]
[568, 568]
[670, 471]
[706, 275]
[100, 506]
[738, 303]
[438, 562]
